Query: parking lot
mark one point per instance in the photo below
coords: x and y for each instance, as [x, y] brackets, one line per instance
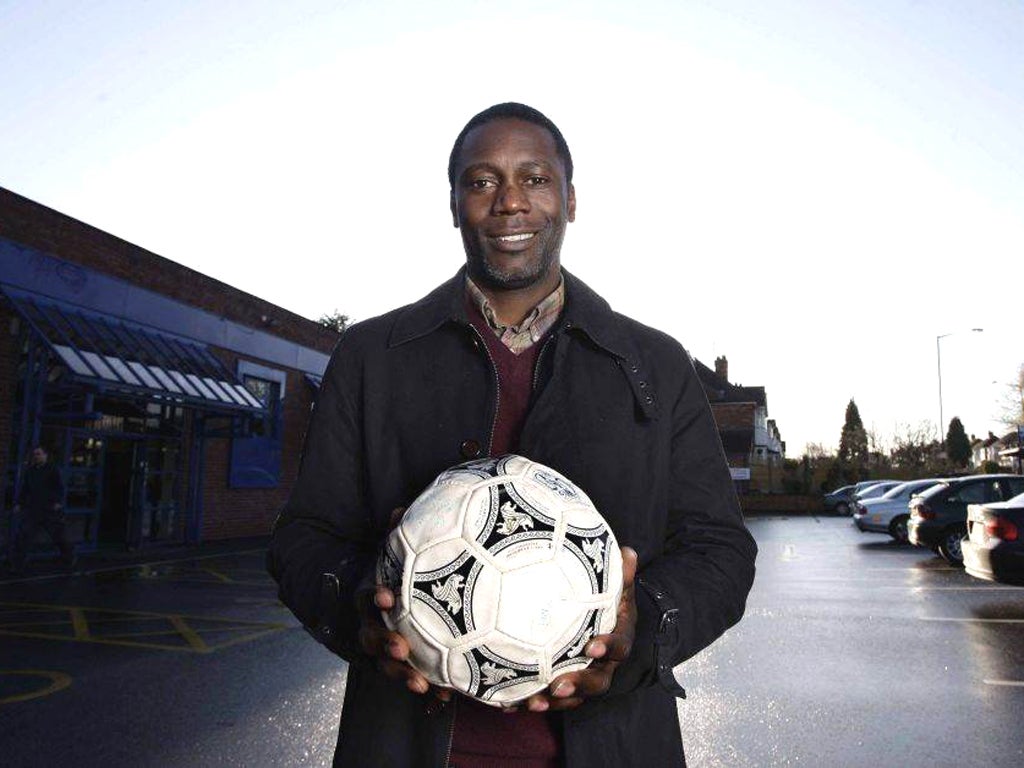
[855, 651]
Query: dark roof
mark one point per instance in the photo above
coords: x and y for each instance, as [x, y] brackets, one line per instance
[720, 390]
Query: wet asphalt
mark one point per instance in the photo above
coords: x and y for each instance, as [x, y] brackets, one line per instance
[855, 651]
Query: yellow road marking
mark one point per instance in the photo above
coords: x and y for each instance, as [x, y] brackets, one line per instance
[58, 681]
[1011, 683]
[86, 623]
[190, 635]
[80, 624]
[219, 575]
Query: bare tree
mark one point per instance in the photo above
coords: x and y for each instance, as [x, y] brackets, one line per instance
[1012, 402]
[915, 451]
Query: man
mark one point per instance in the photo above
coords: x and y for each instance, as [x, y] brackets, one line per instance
[41, 496]
[515, 354]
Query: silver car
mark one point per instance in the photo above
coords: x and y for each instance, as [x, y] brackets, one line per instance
[889, 512]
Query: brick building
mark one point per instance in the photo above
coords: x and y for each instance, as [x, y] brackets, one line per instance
[174, 404]
[752, 442]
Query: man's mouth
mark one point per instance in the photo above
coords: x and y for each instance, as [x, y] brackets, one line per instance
[517, 238]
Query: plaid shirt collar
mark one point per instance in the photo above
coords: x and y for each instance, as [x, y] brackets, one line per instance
[538, 322]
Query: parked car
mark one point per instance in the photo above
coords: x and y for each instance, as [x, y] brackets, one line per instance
[889, 512]
[842, 500]
[839, 500]
[994, 547]
[873, 491]
[938, 517]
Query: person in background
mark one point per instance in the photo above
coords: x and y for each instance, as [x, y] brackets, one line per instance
[41, 500]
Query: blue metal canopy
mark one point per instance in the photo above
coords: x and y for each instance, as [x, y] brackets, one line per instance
[114, 355]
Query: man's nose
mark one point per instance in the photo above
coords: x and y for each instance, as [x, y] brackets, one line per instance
[511, 199]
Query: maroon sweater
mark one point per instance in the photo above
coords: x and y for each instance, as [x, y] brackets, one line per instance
[485, 737]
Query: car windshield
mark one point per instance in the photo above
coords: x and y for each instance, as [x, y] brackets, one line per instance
[899, 491]
[874, 491]
[939, 486]
[903, 490]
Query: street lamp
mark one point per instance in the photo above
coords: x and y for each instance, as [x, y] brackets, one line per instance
[938, 357]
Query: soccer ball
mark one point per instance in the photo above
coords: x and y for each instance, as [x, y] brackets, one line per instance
[502, 571]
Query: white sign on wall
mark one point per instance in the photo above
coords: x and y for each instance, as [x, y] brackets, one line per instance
[740, 473]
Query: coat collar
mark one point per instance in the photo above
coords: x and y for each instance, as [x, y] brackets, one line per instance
[584, 311]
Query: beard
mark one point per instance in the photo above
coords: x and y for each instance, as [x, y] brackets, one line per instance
[499, 271]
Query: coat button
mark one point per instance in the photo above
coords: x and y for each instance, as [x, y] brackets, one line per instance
[470, 449]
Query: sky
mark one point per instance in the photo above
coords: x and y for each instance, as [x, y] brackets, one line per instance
[816, 190]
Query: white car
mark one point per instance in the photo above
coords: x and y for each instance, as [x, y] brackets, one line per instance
[889, 512]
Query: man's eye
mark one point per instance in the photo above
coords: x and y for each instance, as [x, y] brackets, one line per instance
[536, 181]
[481, 183]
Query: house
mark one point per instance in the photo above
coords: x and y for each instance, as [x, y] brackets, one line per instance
[752, 442]
[985, 449]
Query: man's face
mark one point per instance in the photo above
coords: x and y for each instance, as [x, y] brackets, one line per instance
[511, 202]
[38, 456]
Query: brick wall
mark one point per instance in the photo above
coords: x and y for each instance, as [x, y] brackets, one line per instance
[733, 415]
[232, 512]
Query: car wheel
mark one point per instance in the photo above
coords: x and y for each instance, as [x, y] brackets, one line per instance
[842, 508]
[949, 547]
[898, 529]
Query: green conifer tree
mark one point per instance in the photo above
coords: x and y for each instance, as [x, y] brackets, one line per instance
[958, 446]
[853, 445]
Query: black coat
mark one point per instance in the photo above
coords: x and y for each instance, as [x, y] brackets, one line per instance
[620, 411]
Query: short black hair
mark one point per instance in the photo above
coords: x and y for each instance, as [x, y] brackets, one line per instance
[514, 111]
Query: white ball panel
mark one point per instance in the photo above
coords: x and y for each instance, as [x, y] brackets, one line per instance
[524, 552]
[582, 516]
[577, 573]
[435, 515]
[425, 654]
[534, 604]
[570, 625]
[478, 511]
[486, 598]
[512, 465]
[436, 556]
[539, 497]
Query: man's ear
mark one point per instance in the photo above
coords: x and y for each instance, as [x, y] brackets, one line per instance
[455, 211]
[572, 203]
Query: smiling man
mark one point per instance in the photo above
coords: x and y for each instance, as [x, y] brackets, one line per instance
[514, 354]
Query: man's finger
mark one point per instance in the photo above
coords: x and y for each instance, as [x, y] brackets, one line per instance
[593, 681]
[611, 647]
[383, 598]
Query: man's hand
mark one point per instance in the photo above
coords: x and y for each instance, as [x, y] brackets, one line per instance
[389, 648]
[570, 690]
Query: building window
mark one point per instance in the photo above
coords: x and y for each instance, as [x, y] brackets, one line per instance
[256, 459]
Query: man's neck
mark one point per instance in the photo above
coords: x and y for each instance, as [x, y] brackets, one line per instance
[511, 307]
